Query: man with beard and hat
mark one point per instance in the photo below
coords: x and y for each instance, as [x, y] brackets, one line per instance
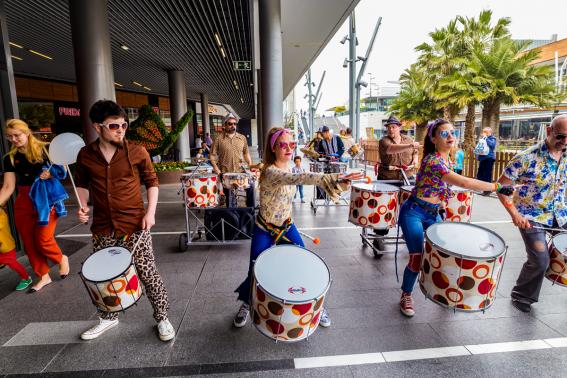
[330, 145]
[109, 171]
[397, 152]
[229, 151]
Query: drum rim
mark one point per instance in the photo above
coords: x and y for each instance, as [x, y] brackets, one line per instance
[327, 287]
[113, 278]
[357, 186]
[466, 256]
[562, 253]
[454, 308]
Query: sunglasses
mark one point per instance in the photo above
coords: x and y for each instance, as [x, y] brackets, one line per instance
[284, 145]
[115, 126]
[560, 136]
[445, 133]
[231, 123]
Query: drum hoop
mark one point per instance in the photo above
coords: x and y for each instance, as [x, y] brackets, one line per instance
[453, 308]
[292, 301]
[113, 278]
[553, 244]
[450, 253]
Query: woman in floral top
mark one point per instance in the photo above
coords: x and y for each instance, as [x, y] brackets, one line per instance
[277, 187]
[431, 192]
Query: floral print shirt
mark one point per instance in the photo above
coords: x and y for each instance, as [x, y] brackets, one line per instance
[541, 196]
[428, 182]
[277, 187]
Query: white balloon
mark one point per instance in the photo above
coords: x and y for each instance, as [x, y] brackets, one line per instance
[64, 148]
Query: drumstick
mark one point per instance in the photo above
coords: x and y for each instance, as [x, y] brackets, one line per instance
[144, 233]
[315, 240]
[550, 229]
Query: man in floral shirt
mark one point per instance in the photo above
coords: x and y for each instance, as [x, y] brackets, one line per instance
[540, 173]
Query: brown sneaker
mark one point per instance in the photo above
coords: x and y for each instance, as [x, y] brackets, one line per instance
[406, 305]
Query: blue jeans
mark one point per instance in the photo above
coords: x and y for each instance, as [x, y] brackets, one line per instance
[414, 219]
[298, 188]
[262, 240]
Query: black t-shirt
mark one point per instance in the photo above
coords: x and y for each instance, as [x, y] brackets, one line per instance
[26, 172]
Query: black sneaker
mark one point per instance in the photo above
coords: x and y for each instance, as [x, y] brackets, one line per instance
[522, 306]
[241, 316]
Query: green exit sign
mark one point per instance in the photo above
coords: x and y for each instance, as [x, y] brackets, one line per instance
[242, 65]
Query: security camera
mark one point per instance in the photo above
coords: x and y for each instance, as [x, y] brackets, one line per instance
[345, 63]
[345, 38]
[361, 58]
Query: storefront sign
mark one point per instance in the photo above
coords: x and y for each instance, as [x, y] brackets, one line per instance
[68, 111]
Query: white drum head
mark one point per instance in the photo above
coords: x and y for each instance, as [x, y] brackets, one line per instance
[407, 188]
[106, 264]
[467, 240]
[376, 187]
[560, 243]
[292, 273]
[458, 189]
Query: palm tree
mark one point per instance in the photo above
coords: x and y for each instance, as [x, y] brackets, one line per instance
[462, 88]
[507, 77]
[414, 102]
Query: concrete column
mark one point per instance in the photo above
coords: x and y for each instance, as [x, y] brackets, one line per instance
[205, 114]
[271, 75]
[178, 105]
[93, 57]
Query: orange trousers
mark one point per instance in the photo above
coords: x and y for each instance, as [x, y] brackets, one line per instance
[39, 241]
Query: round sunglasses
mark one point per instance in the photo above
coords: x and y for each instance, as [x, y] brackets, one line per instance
[445, 133]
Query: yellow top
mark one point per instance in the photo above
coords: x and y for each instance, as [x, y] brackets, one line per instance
[7, 242]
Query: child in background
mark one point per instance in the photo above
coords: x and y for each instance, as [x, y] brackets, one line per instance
[8, 252]
[298, 169]
[200, 153]
[459, 158]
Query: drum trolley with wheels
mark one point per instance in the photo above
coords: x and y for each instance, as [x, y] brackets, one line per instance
[210, 225]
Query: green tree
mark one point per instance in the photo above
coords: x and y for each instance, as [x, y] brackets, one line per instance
[508, 77]
[414, 102]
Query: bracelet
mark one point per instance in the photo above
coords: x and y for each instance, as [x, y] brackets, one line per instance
[497, 186]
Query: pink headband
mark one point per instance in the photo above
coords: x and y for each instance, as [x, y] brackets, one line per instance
[276, 135]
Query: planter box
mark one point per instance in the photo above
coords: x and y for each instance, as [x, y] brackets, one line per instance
[169, 177]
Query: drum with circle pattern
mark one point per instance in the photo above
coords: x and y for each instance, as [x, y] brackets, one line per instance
[461, 266]
[288, 293]
[557, 269]
[459, 206]
[111, 279]
[405, 193]
[374, 205]
[201, 190]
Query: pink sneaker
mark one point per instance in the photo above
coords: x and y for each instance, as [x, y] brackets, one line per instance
[406, 305]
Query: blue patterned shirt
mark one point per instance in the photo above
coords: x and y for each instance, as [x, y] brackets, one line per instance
[541, 196]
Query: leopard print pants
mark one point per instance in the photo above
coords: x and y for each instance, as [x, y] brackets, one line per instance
[145, 263]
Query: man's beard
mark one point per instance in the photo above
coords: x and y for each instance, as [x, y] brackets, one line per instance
[117, 144]
[231, 130]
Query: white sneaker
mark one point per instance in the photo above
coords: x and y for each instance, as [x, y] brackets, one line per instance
[103, 326]
[241, 316]
[325, 320]
[165, 330]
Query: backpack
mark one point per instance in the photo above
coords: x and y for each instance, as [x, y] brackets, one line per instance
[481, 148]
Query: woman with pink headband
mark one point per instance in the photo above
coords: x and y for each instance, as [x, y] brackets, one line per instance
[429, 195]
[273, 222]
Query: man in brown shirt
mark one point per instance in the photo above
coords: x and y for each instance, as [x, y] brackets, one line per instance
[397, 152]
[110, 170]
[229, 151]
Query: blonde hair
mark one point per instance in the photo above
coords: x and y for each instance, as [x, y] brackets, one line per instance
[34, 148]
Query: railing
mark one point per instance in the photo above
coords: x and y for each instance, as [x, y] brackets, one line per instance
[470, 163]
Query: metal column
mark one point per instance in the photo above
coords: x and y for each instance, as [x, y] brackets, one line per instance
[93, 57]
[271, 64]
[205, 114]
[352, 104]
[178, 104]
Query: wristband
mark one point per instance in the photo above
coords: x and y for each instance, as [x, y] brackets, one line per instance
[497, 186]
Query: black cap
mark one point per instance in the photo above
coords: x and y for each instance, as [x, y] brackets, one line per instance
[325, 128]
[392, 121]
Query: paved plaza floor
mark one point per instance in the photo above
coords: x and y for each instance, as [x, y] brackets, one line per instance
[39, 333]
